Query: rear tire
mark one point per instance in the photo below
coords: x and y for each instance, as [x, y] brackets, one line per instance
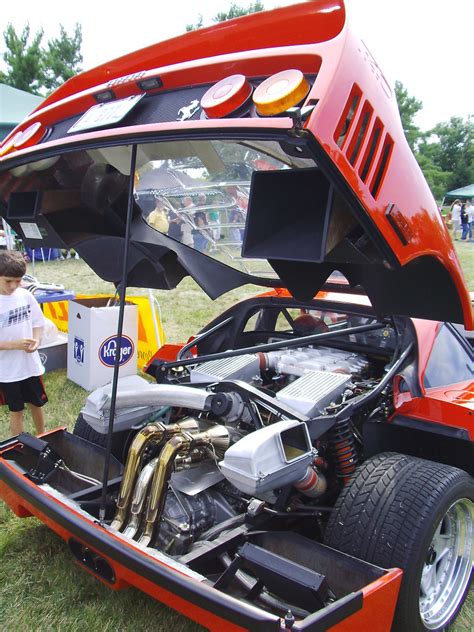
[401, 511]
[85, 431]
[120, 440]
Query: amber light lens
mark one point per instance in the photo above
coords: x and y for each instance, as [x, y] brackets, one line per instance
[9, 145]
[226, 96]
[279, 92]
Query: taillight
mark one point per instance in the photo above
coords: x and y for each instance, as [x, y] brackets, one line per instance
[226, 96]
[32, 134]
[279, 92]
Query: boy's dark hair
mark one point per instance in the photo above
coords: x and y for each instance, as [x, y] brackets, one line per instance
[12, 264]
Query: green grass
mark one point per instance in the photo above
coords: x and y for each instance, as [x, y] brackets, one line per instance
[465, 251]
[40, 587]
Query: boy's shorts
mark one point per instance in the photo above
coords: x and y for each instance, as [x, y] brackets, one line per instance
[16, 394]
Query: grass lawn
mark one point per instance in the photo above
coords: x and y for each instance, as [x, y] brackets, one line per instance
[40, 587]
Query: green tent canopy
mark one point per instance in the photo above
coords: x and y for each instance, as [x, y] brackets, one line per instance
[464, 193]
[14, 106]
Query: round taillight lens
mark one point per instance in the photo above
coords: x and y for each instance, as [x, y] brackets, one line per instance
[33, 132]
[279, 92]
[226, 96]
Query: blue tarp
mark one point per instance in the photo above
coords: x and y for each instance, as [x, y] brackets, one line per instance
[43, 254]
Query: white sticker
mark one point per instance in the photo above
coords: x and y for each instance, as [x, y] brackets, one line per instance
[30, 230]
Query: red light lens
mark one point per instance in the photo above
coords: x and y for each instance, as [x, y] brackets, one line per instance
[226, 96]
[34, 132]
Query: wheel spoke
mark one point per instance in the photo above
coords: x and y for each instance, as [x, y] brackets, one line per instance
[428, 580]
[441, 554]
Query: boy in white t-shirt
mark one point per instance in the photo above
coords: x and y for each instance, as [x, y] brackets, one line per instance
[21, 327]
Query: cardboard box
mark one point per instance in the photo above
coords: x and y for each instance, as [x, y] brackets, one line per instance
[54, 355]
[92, 342]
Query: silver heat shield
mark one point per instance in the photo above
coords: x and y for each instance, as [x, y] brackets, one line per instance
[245, 368]
[315, 390]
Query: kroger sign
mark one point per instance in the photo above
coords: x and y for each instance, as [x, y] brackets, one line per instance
[108, 350]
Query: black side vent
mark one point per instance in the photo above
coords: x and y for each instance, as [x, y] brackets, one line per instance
[382, 166]
[371, 150]
[347, 118]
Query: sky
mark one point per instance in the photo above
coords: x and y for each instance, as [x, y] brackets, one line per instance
[426, 44]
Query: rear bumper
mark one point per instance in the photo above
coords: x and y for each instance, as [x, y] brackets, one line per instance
[371, 608]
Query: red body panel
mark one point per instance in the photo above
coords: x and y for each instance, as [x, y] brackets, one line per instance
[319, 42]
[380, 600]
[369, 152]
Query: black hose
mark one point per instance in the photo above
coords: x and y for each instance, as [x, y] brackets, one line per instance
[211, 533]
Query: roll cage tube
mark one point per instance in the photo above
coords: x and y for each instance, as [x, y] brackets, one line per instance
[295, 342]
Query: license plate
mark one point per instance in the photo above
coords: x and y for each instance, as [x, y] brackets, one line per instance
[104, 114]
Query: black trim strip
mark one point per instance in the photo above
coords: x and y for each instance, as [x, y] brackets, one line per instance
[333, 614]
[432, 427]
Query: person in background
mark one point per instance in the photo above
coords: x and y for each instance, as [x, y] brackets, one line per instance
[21, 327]
[456, 217]
[214, 218]
[202, 237]
[174, 223]
[470, 218]
[3, 240]
[464, 222]
[186, 223]
[236, 232]
[157, 219]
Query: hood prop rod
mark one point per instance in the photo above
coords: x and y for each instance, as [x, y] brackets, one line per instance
[122, 289]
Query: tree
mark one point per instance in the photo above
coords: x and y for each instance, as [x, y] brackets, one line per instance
[195, 27]
[62, 58]
[234, 11]
[454, 150]
[35, 69]
[445, 153]
[23, 60]
[436, 178]
[408, 108]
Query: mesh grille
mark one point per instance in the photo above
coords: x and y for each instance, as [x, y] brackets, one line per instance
[240, 367]
[314, 390]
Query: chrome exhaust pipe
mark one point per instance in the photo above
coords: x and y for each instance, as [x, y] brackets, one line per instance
[139, 496]
[215, 440]
[155, 433]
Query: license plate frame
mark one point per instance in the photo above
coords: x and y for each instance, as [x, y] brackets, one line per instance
[105, 114]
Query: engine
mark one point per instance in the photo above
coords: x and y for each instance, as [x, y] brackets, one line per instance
[230, 433]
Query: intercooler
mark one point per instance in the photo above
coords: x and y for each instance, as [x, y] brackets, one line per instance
[245, 367]
[315, 390]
